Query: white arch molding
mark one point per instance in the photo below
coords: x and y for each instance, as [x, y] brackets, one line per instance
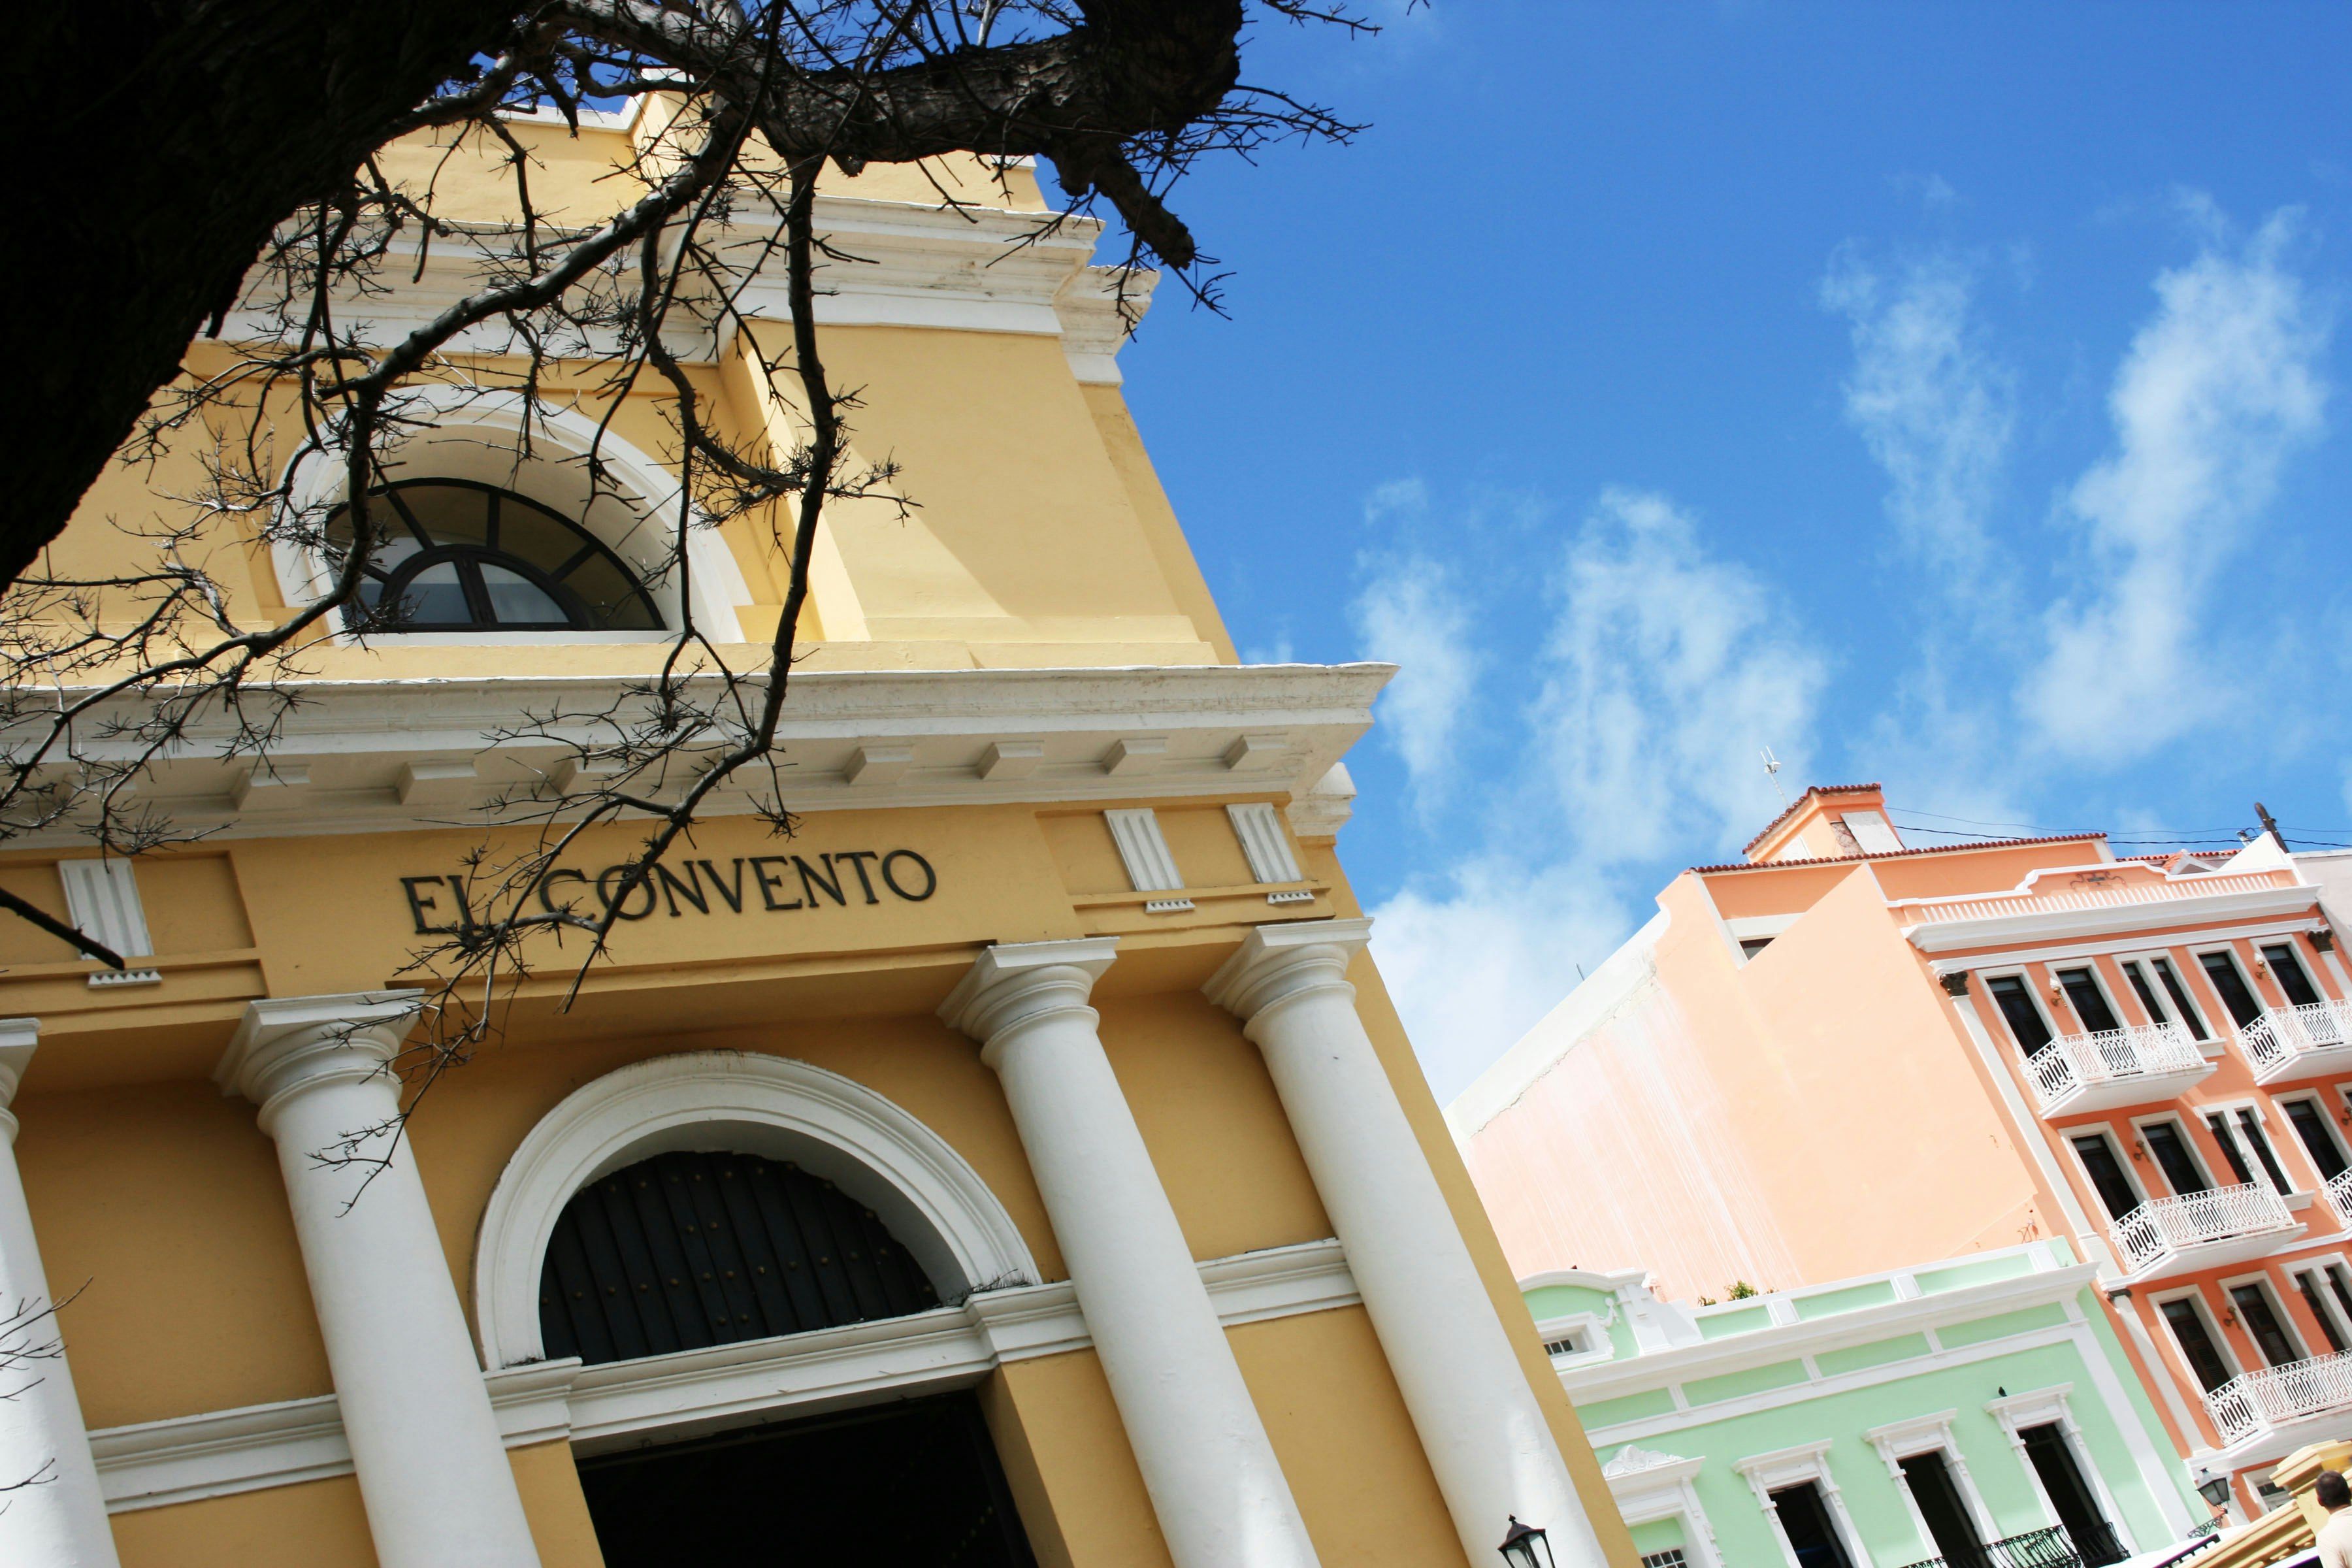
[467, 433]
[742, 1102]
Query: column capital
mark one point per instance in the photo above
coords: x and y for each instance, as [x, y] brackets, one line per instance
[1277, 961]
[286, 1044]
[1012, 982]
[19, 1037]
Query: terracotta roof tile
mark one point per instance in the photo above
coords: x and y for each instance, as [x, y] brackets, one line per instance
[1793, 808]
[1897, 854]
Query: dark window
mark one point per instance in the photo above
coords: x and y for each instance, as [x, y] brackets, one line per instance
[2231, 987]
[2171, 1150]
[1805, 1520]
[2138, 974]
[2218, 1126]
[1751, 946]
[2318, 1138]
[2339, 1285]
[2251, 1126]
[2197, 1344]
[453, 555]
[2287, 970]
[2090, 1002]
[1949, 1525]
[2078, 1508]
[2017, 1006]
[688, 1250]
[912, 1481]
[2261, 1324]
[2307, 1282]
[2107, 1173]
[2179, 995]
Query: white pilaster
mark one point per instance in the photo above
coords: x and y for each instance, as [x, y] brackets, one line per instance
[1215, 1485]
[1477, 1418]
[432, 1470]
[59, 1520]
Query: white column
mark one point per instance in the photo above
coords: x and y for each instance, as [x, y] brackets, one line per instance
[59, 1520]
[1215, 1485]
[432, 1470]
[1479, 1422]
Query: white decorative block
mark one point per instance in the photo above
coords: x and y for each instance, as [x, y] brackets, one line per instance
[880, 764]
[1253, 754]
[437, 783]
[1267, 847]
[1135, 755]
[272, 788]
[102, 899]
[1007, 761]
[1143, 850]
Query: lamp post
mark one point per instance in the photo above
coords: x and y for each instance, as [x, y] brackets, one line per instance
[1526, 1546]
[2215, 1489]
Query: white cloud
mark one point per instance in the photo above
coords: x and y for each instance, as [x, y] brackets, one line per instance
[1411, 613]
[1934, 408]
[1668, 671]
[2219, 388]
[1663, 672]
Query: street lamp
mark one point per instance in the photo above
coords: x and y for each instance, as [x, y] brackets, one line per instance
[1525, 1547]
[2215, 1489]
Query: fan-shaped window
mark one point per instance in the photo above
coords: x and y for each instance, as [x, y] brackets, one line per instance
[688, 1250]
[453, 556]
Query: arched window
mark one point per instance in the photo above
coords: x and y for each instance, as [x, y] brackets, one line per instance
[455, 555]
[686, 1250]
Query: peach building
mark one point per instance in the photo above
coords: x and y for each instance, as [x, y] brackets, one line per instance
[1846, 1055]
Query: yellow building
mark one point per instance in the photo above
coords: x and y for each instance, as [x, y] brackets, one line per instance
[1021, 1163]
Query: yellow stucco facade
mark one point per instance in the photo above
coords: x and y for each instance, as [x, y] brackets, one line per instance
[206, 1370]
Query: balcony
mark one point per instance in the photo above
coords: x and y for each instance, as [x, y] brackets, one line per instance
[2299, 1042]
[2048, 1548]
[2275, 1401]
[2078, 1073]
[2203, 1230]
[2339, 1197]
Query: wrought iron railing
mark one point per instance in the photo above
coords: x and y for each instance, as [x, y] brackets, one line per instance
[2278, 1396]
[2074, 1062]
[2164, 1226]
[2050, 1548]
[2275, 1039]
[2339, 1194]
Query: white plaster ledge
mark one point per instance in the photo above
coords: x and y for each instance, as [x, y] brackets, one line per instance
[156, 1464]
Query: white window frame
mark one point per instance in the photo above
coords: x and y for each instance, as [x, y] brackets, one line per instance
[1901, 1440]
[2188, 1378]
[2143, 1153]
[2122, 963]
[1590, 1328]
[2311, 975]
[2125, 1158]
[2317, 1101]
[2317, 1263]
[1771, 1472]
[2261, 1279]
[2033, 994]
[2099, 983]
[1649, 1487]
[2204, 1019]
[2245, 972]
[2227, 1110]
[2051, 1406]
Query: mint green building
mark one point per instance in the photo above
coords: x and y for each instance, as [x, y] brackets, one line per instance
[1899, 1418]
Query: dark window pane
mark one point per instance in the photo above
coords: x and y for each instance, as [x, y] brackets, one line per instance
[1805, 1520]
[2171, 1150]
[434, 597]
[2249, 1126]
[2187, 1326]
[2089, 1003]
[2308, 1283]
[2318, 1138]
[2261, 1324]
[447, 514]
[1949, 1529]
[2287, 970]
[2179, 995]
[2231, 987]
[2146, 993]
[516, 601]
[2106, 1174]
[2052, 1458]
[610, 595]
[533, 533]
[2220, 1127]
[2017, 1006]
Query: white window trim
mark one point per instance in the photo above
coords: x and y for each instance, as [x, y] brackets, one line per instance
[2189, 1379]
[2046, 1406]
[2317, 1101]
[2180, 973]
[2023, 972]
[1592, 1326]
[2099, 984]
[2227, 1110]
[2261, 1279]
[2245, 972]
[1649, 1487]
[1769, 1472]
[1901, 1440]
[2188, 1136]
[2330, 1309]
[2123, 1150]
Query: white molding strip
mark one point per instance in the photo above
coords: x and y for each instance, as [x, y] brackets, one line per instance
[2063, 924]
[184, 1458]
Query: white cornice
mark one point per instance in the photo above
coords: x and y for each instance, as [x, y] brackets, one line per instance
[377, 755]
[187, 1457]
[1787, 1341]
[2108, 920]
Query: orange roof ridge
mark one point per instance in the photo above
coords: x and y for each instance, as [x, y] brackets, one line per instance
[1893, 854]
[1794, 807]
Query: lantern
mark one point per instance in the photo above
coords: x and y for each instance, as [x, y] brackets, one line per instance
[1525, 1547]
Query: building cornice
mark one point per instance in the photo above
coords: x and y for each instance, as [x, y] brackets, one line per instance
[380, 755]
[1961, 934]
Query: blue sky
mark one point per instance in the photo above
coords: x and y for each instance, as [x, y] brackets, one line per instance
[1948, 395]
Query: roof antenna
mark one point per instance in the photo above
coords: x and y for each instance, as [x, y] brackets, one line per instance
[2270, 824]
[1772, 772]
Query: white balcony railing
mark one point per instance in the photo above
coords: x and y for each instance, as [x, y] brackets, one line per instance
[2284, 1038]
[2167, 1229]
[2339, 1195]
[2071, 1066]
[2280, 1396]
